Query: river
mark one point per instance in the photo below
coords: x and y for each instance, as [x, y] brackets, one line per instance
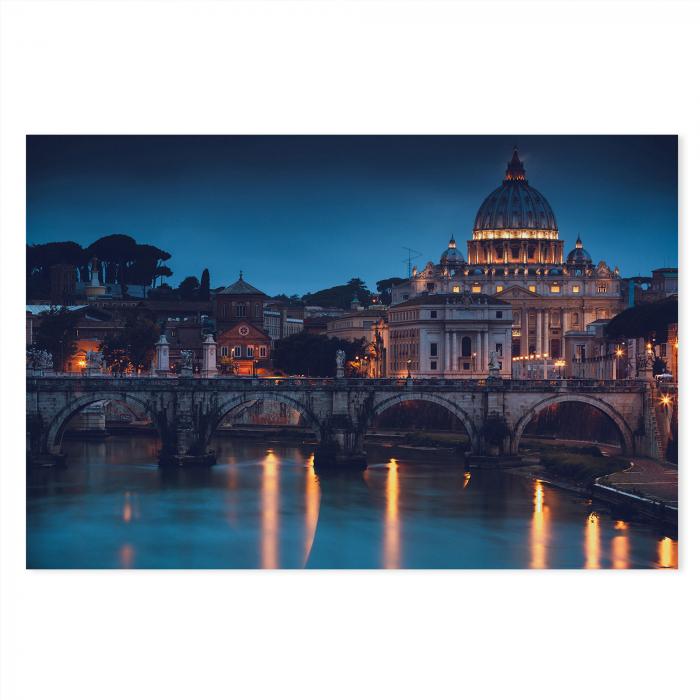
[263, 506]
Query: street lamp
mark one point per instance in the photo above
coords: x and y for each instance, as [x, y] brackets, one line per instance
[408, 365]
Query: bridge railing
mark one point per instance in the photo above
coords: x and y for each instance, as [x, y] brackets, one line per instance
[366, 383]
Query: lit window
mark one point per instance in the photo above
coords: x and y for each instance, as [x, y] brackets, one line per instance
[499, 288]
[532, 288]
[576, 289]
[555, 289]
[602, 289]
[476, 288]
[455, 289]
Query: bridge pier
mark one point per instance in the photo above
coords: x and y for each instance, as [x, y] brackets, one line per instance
[341, 446]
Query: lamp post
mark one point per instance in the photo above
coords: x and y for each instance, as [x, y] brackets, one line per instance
[408, 366]
[254, 364]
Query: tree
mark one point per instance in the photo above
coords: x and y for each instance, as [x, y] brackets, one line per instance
[115, 252]
[313, 355]
[56, 333]
[189, 288]
[42, 257]
[163, 271]
[134, 345]
[341, 295]
[204, 286]
[384, 288]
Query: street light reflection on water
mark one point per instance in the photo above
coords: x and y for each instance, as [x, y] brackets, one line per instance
[270, 507]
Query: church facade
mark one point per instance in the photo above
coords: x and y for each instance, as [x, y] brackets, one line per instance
[516, 256]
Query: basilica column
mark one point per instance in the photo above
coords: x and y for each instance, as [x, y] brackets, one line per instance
[538, 332]
[524, 344]
[476, 364]
[545, 332]
[453, 345]
[446, 341]
[485, 365]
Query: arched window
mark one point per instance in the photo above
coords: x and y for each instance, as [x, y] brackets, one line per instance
[466, 346]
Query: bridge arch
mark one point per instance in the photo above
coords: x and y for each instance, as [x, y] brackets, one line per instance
[625, 432]
[58, 424]
[248, 398]
[452, 407]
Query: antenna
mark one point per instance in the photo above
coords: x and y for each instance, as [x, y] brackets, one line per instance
[412, 255]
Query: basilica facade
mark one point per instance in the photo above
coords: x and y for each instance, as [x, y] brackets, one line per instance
[516, 256]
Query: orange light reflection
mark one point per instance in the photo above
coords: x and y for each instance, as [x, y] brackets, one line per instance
[668, 553]
[270, 515]
[539, 533]
[592, 542]
[392, 532]
[313, 503]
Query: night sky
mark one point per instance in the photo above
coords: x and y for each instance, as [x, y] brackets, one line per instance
[297, 214]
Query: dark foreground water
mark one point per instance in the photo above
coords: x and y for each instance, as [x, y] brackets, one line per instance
[264, 506]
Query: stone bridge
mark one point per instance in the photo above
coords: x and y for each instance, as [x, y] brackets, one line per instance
[186, 411]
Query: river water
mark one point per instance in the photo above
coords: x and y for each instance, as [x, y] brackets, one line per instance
[263, 506]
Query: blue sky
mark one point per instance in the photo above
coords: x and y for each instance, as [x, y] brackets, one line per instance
[297, 214]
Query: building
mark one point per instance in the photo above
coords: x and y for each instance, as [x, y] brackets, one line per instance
[281, 320]
[516, 256]
[357, 324]
[644, 290]
[453, 335]
[244, 346]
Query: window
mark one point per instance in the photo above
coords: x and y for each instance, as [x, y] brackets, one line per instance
[476, 288]
[433, 364]
[240, 310]
[499, 288]
[555, 289]
[263, 351]
[433, 314]
[250, 351]
[224, 351]
[602, 289]
[405, 297]
[237, 351]
[466, 346]
[576, 289]
[465, 365]
[499, 314]
[455, 289]
[574, 319]
[516, 318]
[433, 349]
[532, 288]
[499, 348]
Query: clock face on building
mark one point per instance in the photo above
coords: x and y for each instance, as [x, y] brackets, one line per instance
[244, 330]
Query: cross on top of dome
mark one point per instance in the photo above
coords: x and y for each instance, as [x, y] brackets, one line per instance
[516, 169]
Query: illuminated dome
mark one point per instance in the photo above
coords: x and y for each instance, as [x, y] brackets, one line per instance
[579, 255]
[451, 255]
[515, 207]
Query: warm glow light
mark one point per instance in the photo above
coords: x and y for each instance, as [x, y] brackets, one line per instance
[666, 400]
[126, 556]
[668, 553]
[392, 533]
[270, 511]
[592, 542]
[539, 530]
[621, 525]
[618, 352]
[467, 477]
[127, 512]
[312, 504]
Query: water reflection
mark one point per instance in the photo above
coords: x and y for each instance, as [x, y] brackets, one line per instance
[312, 505]
[592, 542]
[113, 507]
[539, 537]
[270, 511]
[668, 553]
[392, 520]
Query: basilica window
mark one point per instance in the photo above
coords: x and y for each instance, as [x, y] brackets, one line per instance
[576, 289]
[433, 314]
[602, 289]
[433, 364]
[466, 346]
[499, 288]
[240, 310]
[224, 351]
[555, 289]
[532, 288]
[499, 314]
[476, 288]
[499, 349]
[433, 349]
[455, 289]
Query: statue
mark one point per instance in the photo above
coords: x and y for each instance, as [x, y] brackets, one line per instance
[340, 364]
[94, 362]
[494, 368]
[39, 361]
[186, 357]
